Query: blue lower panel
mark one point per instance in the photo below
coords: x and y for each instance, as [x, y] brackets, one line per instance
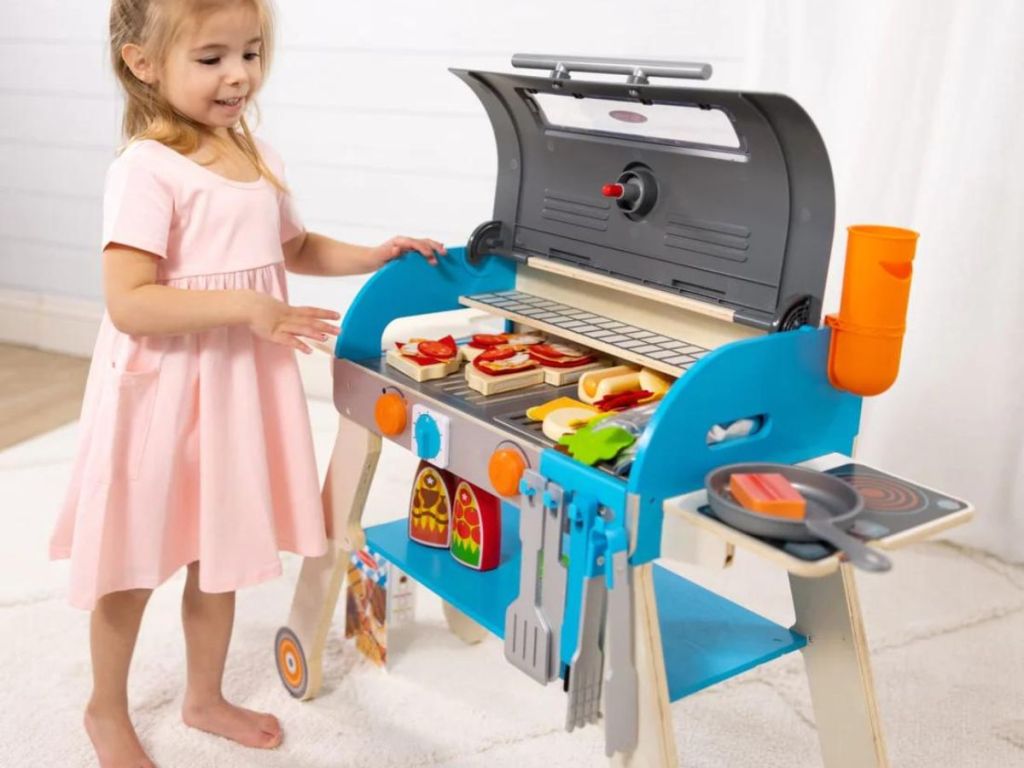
[706, 638]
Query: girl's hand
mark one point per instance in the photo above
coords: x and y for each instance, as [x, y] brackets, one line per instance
[394, 247]
[280, 323]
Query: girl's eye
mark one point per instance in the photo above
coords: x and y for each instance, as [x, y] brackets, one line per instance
[210, 61]
[252, 56]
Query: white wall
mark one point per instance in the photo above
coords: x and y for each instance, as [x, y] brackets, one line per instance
[920, 104]
[379, 138]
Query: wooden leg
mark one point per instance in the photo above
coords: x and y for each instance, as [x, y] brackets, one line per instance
[463, 627]
[353, 462]
[839, 670]
[656, 747]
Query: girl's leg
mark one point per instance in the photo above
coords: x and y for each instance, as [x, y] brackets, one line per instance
[114, 628]
[207, 619]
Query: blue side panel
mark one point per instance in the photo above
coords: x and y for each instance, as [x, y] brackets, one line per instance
[410, 286]
[780, 377]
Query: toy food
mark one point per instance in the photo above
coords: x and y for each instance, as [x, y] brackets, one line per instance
[430, 508]
[564, 421]
[607, 381]
[768, 493]
[538, 412]
[558, 355]
[476, 527]
[503, 359]
[425, 359]
[654, 382]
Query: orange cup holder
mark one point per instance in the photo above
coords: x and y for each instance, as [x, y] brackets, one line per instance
[867, 334]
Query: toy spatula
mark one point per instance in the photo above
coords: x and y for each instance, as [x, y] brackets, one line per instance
[527, 633]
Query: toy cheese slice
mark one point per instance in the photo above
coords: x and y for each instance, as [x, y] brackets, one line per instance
[476, 527]
[430, 507]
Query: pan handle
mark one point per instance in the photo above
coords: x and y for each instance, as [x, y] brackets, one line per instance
[856, 551]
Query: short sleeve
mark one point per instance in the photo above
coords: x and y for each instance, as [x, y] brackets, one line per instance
[138, 205]
[291, 222]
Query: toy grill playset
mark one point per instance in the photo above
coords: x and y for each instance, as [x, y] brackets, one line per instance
[659, 256]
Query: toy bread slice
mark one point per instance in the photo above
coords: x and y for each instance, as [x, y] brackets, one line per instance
[421, 373]
[594, 385]
[655, 383]
[565, 421]
[468, 353]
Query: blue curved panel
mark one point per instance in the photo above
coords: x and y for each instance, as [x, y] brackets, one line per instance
[410, 286]
[781, 377]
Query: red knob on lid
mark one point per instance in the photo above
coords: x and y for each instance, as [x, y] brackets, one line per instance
[613, 190]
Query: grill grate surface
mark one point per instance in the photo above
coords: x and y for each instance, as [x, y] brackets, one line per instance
[663, 353]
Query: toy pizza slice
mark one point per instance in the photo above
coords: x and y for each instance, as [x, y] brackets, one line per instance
[503, 369]
[502, 360]
[559, 355]
[425, 359]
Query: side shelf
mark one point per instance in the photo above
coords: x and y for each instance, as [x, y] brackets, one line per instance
[706, 638]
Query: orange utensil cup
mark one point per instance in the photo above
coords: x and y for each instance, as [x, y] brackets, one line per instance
[867, 334]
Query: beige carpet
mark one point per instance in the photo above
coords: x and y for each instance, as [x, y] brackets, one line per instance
[946, 628]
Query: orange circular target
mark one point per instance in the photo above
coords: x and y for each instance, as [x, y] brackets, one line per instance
[291, 662]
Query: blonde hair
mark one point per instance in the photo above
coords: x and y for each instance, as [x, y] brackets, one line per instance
[154, 26]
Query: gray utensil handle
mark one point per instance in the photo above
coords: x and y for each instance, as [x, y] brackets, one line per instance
[856, 551]
[554, 580]
[621, 684]
[638, 70]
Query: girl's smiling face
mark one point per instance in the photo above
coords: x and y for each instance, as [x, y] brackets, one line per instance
[214, 69]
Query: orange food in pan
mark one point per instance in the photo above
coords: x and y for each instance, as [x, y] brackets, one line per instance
[768, 493]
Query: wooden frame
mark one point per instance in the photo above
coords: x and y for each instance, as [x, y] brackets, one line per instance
[838, 666]
[346, 486]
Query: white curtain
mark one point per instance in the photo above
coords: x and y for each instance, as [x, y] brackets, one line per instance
[921, 104]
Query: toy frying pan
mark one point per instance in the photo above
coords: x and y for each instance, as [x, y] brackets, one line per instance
[832, 508]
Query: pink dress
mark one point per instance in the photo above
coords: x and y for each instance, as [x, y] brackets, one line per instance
[196, 446]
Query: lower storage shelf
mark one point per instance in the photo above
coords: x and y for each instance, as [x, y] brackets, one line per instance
[705, 638]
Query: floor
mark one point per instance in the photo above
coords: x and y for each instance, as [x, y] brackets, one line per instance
[946, 629]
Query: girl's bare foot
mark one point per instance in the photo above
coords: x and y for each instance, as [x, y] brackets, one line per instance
[114, 739]
[252, 729]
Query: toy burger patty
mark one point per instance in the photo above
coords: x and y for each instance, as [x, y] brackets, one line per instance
[503, 359]
[427, 352]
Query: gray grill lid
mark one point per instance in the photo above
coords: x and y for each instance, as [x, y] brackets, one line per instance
[747, 227]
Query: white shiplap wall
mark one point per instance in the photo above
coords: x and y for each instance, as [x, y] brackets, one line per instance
[378, 136]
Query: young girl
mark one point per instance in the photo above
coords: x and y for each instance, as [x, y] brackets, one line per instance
[195, 444]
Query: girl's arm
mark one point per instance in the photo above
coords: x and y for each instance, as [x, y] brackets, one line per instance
[313, 254]
[138, 306]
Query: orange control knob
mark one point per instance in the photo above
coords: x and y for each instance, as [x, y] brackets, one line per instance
[505, 469]
[391, 414]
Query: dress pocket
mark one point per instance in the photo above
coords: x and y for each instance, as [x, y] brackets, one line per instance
[134, 394]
